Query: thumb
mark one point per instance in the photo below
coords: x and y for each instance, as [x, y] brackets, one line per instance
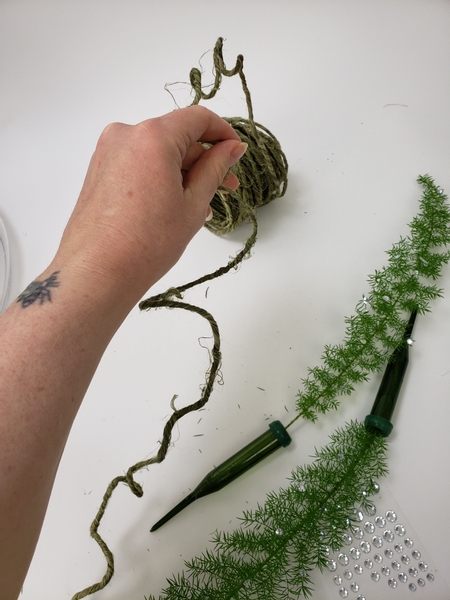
[209, 171]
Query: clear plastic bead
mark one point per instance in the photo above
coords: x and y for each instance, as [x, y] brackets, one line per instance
[392, 583]
[388, 553]
[412, 587]
[403, 577]
[370, 510]
[409, 543]
[423, 566]
[358, 569]
[331, 565]
[279, 531]
[343, 559]
[405, 559]
[337, 580]
[391, 516]
[416, 554]
[354, 553]
[354, 587]
[375, 488]
[421, 582]
[375, 576]
[396, 565]
[400, 530]
[378, 558]
[413, 572]
[368, 563]
[380, 522]
[357, 515]
[385, 571]
[369, 527]
[358, 533]
[347, 539]
[377, 541]
[360, 597]
[348, 574]
[365, 546]
[430, 576]
[398, 548]
[388, 536]
[343, 592]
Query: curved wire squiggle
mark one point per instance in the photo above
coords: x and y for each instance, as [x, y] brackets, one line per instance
[264, 155]
[128, 478]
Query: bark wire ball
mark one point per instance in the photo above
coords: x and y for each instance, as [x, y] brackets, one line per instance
[262, 171]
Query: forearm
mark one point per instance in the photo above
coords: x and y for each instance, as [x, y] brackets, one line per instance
[48, 355]
[146, 193]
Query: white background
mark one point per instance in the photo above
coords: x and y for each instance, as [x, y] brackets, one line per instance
[358, 94]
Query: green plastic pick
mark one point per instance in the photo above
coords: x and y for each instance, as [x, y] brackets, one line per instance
[379, 419]
[228, 471]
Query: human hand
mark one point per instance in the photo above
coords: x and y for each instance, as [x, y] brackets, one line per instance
[146, 194]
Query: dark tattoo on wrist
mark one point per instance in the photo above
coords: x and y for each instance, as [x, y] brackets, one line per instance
[39, 291]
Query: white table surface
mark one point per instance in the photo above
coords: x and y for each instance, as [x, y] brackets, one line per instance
[358, 94]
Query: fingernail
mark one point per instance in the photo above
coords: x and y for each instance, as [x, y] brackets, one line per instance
[238, 152]
[209, 216]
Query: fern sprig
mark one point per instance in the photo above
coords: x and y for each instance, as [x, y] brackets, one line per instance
[376, 328]
[280, 543]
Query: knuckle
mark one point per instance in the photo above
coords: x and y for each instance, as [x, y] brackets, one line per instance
[112, 129]
[110, 135]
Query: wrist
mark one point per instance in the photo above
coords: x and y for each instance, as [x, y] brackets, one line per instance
[100, 285]
[77, 304]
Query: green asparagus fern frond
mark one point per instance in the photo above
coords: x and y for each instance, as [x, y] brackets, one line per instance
[376, 328]
[279, 545]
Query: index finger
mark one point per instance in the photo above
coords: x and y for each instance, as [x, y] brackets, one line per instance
[194, 123]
